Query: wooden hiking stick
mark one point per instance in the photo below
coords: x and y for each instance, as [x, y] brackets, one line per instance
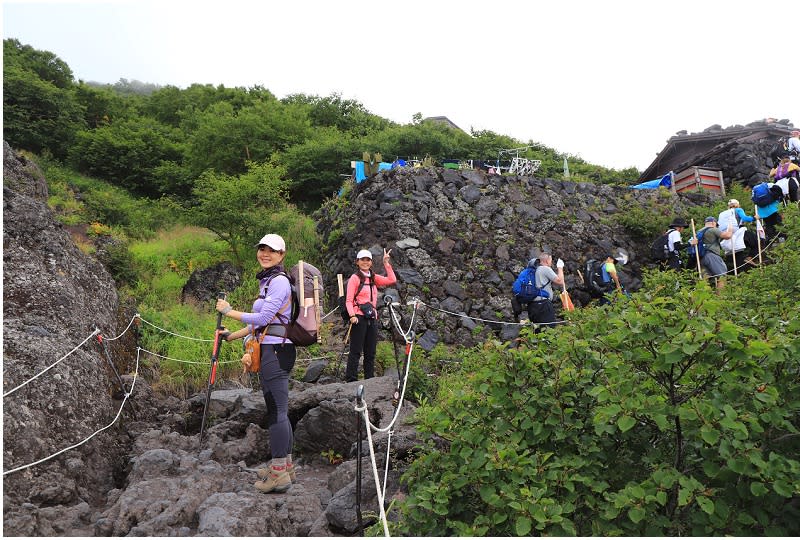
[758, 235]
[697, 251]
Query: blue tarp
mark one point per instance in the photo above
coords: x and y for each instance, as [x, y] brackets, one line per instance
[665, 181]
[359, 170]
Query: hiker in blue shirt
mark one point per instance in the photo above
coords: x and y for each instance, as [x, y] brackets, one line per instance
[770, 215]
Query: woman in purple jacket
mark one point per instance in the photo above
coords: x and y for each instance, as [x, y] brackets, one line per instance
[277, 358]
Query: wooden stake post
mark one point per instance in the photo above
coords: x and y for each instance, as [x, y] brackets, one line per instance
[302, 286]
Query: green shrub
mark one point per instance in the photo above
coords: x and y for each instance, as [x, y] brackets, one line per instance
[673, 413]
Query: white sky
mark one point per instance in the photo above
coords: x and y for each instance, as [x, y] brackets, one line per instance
[609, 81]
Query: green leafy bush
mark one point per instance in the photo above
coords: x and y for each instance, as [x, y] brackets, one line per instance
[673, 413]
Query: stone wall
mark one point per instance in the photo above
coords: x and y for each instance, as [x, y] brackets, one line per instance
[459, 238]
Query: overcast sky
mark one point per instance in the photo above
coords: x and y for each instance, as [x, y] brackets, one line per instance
[609, 81]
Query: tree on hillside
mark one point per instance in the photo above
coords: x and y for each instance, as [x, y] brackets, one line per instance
[102, 106]
[225, 139]
[237, 208]
[127, 153]
[176, 107]
[315, 167]
[419, 140]
[346, 115]
[46, 65]
[38, 115]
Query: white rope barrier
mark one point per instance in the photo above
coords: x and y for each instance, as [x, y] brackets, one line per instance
[136, 316]
[87, 439]
[187, 361]
[54, 364]
[173, 333]
[363, 410]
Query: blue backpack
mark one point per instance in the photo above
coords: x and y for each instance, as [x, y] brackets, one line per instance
[762, 196]
[525, 288]
[700, 247]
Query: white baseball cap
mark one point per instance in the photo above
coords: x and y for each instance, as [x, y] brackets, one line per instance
[364, 253]
[274, 241]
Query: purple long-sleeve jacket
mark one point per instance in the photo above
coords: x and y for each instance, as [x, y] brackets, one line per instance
[276, 298]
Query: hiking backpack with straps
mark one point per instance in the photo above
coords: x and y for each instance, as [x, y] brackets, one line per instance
[593, 277]
[700, 248]
[525, 288]
[762, 195]
[302, 326]
[660, 248]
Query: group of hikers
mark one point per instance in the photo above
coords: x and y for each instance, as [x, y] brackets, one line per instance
[533, 295]
[722, 238]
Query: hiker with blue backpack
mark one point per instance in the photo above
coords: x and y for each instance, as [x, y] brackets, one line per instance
[767, 197]
[706, 247]
[533, 289]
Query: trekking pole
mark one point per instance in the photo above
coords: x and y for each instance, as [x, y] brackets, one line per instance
[697, 251]
[344, 347]
[733, 254]
[212, 374]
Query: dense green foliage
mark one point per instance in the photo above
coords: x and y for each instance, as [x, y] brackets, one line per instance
[162, 141]
[672, 413]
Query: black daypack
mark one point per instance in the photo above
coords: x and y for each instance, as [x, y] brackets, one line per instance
[660, 248]
[593, 277]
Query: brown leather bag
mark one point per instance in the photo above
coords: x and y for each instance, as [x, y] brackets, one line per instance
[251, 359]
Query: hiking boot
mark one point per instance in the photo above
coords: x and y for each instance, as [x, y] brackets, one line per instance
[263, 472]
[275, 482]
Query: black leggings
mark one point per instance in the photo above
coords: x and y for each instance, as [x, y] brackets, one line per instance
[277, 361]
[363, 337]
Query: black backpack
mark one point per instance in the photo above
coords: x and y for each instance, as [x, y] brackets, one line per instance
[778, 149]
[660, 249]
[343, 299]
[593, 277]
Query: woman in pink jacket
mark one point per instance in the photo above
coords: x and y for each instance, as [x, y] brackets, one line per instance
[361, 299]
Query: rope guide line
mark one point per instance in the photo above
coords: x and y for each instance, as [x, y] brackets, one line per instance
[54, 364]
[87, 439]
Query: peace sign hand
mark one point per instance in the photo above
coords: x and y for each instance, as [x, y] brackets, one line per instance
[386, 255]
